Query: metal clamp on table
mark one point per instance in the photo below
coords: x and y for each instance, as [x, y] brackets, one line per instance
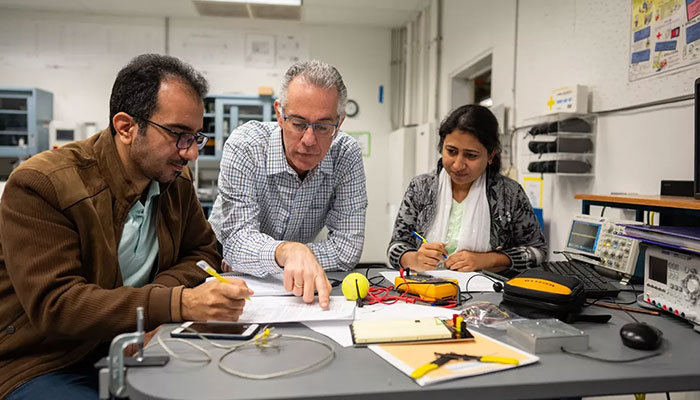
[113, 368]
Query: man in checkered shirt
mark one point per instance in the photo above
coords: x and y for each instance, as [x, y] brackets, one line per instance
[282, 182]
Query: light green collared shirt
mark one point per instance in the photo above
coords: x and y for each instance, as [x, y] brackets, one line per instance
[138, 247]
[454, 226]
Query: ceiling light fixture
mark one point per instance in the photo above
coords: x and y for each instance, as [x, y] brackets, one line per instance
[296, 3]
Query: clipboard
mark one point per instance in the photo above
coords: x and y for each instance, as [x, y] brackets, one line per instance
[414, 330]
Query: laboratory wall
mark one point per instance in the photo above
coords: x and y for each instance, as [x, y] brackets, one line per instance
[471, 30]
[77, 57]
[541, 45]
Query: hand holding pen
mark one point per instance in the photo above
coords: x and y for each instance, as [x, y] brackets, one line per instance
[427, 257]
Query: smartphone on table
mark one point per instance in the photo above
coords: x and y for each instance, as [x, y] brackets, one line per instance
[215, 330]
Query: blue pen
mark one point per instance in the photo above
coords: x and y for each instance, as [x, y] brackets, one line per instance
[416, 234]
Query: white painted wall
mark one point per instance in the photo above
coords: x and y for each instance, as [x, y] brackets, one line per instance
[470, 31]
[363, 55]
[78, 56]
[586, 42]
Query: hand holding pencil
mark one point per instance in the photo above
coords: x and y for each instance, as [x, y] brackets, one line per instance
[427, 257]
[211, 271]
[442, 245]
[217, 300]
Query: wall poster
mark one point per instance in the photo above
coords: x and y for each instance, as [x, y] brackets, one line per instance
[665, 35]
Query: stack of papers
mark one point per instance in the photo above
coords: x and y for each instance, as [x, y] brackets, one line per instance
[271, 303]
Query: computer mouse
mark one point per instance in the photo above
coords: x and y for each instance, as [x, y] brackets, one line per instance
[639, 335]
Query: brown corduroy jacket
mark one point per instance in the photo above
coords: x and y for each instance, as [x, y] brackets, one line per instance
[61, 289]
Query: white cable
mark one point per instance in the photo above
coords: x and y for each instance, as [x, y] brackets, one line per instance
[316, 364]
[260, 341]
[161, 342]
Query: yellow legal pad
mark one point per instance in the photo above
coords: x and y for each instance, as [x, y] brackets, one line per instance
[399, 330]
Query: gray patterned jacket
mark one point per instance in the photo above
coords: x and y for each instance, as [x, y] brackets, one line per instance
[514, 228]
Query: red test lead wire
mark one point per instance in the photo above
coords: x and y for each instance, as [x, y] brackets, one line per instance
[382, 295]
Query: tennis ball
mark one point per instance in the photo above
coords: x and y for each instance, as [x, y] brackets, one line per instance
[350, 288]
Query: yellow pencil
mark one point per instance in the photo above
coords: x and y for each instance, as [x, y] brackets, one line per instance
[422, 239]
[211, 271]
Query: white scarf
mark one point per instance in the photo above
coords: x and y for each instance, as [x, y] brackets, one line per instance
[475, 234]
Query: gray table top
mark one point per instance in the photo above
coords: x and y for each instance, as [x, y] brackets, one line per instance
[358, 373]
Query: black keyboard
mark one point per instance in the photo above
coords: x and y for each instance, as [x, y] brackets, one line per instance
[594, 284]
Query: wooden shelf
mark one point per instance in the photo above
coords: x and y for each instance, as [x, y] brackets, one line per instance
[678, 202]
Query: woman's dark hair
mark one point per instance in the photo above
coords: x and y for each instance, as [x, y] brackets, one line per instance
[481, 123]
[135, 91]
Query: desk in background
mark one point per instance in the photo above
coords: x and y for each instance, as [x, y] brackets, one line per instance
[675, 210]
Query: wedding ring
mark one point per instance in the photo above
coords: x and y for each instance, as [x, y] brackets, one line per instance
[298, 285]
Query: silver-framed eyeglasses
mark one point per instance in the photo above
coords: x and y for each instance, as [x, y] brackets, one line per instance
[300, 126]
[184, 140]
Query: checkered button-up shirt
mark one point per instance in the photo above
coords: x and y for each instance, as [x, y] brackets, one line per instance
[262, 202]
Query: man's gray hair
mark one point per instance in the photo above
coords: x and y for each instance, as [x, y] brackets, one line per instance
[318, 74]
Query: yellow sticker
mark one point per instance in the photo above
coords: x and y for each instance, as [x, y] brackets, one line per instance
[542, 285]
[551, 102]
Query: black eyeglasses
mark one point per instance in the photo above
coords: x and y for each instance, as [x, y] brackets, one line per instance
[300, 126]
[184, 140]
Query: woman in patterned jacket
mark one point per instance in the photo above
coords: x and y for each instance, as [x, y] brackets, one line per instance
[470, 215]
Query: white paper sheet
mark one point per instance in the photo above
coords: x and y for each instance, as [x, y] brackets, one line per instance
[271, 285]
[269, 309]
[338, 331]
[401, 310]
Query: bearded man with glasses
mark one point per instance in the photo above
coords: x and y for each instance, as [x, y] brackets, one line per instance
[282, 182]
[97, 228]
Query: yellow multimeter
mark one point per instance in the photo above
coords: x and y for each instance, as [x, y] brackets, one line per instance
[427, 287]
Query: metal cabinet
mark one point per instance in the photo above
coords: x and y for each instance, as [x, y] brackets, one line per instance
[25, 114]
[223, 113]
